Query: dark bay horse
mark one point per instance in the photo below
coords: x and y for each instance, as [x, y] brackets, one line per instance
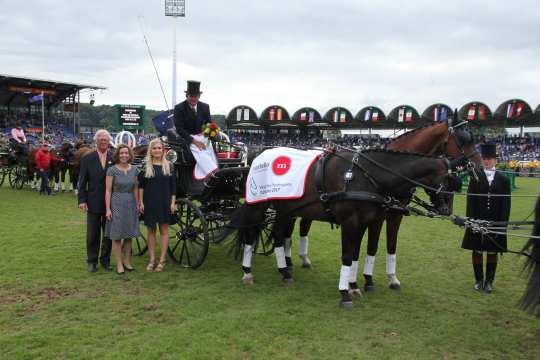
[531, 298]
[352, 201]
[445, 138]
[66, 152]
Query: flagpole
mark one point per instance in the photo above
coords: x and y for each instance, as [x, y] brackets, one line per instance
[42, 117]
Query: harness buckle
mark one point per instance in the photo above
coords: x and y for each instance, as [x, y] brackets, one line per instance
[324, 197]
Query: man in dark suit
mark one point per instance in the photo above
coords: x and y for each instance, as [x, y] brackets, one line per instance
[91, 199]
[491, 208]
[191, 114]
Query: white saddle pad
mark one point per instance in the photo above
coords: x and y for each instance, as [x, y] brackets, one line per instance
[279, 173]
[206, 159]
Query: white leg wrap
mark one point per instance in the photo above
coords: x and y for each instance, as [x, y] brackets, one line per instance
[55, 186]
[353, 272]
[280, 257]
[248, 253]
[63, 187]
[368, 265]
[71, 187]
[390, 263]
[303, 246]
[344, 277]
[288, 245]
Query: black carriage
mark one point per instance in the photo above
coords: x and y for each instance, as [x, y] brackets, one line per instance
[13, 166]
[203, 207]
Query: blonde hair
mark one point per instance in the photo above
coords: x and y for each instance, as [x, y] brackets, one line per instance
[165, 165]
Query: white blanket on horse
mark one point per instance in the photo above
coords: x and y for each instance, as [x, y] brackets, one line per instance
[279, 173]
[206, 159]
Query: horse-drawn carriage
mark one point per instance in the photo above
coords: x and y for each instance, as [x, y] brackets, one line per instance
[13, 165]
[203, 206]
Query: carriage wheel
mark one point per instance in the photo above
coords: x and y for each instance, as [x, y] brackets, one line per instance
[3, 173]
[20, 177]
[139, 245]
[189, 246]
[11, 177]
[265, 245]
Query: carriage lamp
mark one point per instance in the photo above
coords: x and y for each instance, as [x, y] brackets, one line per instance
[348, 175]
[171, 156]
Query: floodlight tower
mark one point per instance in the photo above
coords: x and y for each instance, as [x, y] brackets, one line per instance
[175, 9]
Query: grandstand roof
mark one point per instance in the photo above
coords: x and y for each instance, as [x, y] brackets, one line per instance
[15, 91]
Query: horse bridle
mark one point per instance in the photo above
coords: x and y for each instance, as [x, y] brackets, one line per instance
[469, 165]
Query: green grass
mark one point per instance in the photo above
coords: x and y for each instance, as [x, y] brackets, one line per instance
[51, 308]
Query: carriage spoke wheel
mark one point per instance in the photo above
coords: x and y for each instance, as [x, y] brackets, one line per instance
[3, 173]
[189, 246]
[265, 243]
[11, 177]
[20, 178]
[139, 245]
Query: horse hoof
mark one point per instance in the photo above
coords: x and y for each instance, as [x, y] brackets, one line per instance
[288, 281]
[347, 305]
[395, 286]
[369, 288]
[306, 265]
[247, 279]
[355, 292]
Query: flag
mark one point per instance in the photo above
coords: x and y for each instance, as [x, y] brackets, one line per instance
[303, 116]
[436, 114]
[471, 113]
[342, 117]
[482, 112]
[36, 98]
[272, 114]
[375, 116]
[335, 116]
[311, 116]
[408, 116]
[401, 114]
[509, 110]
[367, 115]
[246, 114]
[238, 114]
[279, 114]
[163, 121]
[444, 114]
[519, 109]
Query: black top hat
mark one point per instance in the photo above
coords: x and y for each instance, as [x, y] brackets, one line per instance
[488, 151]
[193, 88]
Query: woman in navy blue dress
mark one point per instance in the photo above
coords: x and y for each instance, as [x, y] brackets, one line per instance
[157, 194]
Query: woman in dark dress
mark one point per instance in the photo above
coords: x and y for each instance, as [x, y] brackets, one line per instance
[157, 195]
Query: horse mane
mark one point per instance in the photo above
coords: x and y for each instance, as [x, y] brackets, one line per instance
[413, 131]
[399, 152]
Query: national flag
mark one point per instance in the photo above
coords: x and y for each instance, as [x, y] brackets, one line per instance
[375, 116]
[279, 114]
[36, 98]
[246, 114]
[471, 113]
[335, 116]
[444, 114]
[482, 112]
[303, 116]
[311, 116]
[519, 109]
[401, 115]
[509, 111]
[272, 114]
[238, 114]
[435, 114]
[367, 115]
[408, 116]
[342, 117]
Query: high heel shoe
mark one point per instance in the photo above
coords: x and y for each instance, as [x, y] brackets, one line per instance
[160, 267]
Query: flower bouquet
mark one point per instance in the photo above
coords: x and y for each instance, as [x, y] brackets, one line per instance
[211, 130]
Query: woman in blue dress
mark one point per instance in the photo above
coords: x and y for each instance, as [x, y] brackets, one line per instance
[157, 194]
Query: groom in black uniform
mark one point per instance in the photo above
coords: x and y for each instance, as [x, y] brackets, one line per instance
[191, 114]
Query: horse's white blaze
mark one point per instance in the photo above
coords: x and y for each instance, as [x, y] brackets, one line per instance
[303, 246]
[288, 246]
[280, 257]
[248, 253]
[344, 277]
[369, 264]
[390, 264]
[353, 272]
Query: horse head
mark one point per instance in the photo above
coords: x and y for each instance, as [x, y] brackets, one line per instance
[443, 200]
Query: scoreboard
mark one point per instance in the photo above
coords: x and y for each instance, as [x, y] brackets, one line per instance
[129, 117]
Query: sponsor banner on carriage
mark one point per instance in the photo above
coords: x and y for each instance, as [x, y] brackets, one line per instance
[279, 173]
[206, 159]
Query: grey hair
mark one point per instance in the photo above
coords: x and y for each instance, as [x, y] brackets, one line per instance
[100, 132]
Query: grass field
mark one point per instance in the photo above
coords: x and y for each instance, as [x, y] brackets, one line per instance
[51, 308]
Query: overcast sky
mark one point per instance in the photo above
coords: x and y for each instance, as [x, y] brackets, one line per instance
[294, 53]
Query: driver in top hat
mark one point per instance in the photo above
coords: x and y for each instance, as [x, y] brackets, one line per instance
[191, 114]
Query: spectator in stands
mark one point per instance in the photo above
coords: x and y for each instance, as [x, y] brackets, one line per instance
[91, 199]
[43, 159]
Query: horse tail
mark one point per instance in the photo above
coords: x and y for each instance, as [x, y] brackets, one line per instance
[530, 301]
[246, 223]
